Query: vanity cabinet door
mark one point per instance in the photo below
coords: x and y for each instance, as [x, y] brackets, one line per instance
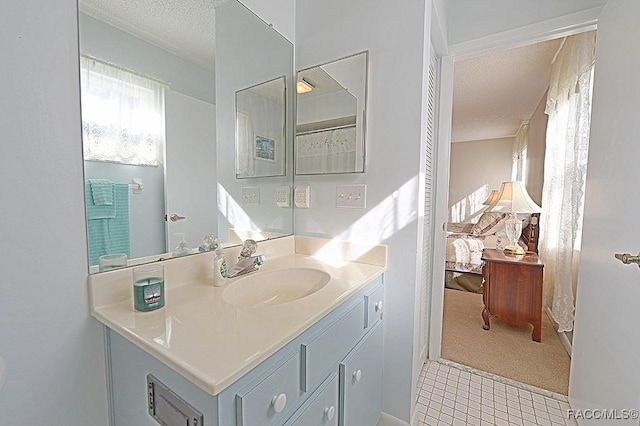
[361, 382]
[323, 353]
[321, 409]
[374, 305]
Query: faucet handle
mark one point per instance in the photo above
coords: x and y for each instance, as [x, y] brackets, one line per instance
[248, 248]
[259, 259]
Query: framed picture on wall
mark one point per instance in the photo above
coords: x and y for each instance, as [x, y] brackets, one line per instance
[265, 149]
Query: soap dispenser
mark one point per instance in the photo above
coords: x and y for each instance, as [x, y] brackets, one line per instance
[219, 268]
[181, 249]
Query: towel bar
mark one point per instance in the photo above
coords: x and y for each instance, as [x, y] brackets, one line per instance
[136, 186]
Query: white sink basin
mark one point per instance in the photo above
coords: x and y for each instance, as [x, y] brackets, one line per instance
[268, 288]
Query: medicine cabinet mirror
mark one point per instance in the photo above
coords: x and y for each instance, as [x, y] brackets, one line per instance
[166, 171]
[331, 117]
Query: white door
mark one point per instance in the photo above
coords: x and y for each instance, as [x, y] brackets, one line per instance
[605, 373]
[191, 168]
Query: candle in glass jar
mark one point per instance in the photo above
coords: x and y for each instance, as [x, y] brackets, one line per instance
[148, 288]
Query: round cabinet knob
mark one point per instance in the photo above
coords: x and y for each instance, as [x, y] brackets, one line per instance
[329, 412]
[378, 306]
[357, 375]
[278, 402]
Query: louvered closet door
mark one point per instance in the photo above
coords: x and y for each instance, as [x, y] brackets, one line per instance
[429, 173]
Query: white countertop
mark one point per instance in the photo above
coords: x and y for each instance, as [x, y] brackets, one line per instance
[213, 343]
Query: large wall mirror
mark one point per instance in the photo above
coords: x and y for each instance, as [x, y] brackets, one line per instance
[331, 117]
[158, 85]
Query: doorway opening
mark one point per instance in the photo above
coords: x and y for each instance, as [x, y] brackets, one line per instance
[499, 129]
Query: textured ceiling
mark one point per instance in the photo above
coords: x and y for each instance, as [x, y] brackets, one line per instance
[182, 27]
[493, 94]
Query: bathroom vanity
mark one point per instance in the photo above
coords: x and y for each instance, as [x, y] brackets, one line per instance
[224, 356]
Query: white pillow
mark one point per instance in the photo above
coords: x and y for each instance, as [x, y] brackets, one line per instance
[489, 224]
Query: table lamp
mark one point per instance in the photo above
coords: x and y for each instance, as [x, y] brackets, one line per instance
[492, 198]
[513, 198]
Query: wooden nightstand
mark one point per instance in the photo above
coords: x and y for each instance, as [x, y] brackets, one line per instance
[513, 289]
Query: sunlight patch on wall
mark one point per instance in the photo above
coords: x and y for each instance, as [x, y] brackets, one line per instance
[470, 206]
[381, 222]
[236, 217]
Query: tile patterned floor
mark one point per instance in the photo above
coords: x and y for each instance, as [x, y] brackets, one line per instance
[455, 395]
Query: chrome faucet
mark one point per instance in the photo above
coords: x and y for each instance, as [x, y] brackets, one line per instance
[247, 262]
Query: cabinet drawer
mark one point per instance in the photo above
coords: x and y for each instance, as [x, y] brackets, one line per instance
[374, 305]
[323, 352]
[321, 409]
[361, 381]
[270, 401]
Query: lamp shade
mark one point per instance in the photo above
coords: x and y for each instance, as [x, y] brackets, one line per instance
[514, 198]
[492, 198]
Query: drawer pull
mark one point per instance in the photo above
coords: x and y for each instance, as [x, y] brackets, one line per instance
[278, 402]
[357, 375]
[378, 306]
[329, 412]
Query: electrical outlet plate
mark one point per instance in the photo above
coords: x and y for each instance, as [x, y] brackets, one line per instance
[301, 196]
[251, 195]
[283, 196]
[351, 196]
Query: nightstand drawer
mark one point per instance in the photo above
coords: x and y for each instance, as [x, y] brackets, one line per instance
[270, 400]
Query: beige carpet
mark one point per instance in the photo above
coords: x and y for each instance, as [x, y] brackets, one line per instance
[503, 350]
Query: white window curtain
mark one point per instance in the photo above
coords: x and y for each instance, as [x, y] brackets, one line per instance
[519, 156]
[565, 168]
[245, 146]
[122, 115]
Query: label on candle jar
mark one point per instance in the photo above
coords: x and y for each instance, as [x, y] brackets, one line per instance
[148, 294]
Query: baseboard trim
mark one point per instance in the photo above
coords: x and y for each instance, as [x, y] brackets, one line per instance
[389, 420]
[565, 342]
[564, 339]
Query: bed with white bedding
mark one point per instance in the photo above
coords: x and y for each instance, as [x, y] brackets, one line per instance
[465, 242]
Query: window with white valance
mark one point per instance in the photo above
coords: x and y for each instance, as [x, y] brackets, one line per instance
[122, 115]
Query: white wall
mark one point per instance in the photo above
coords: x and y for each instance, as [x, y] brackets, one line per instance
[535, 151]
[469, 19]
[394, 36]
[279, 13]
[477, 167]
[53, 349]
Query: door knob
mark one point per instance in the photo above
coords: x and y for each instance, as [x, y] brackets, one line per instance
[627, 258]
[330, 412]
[278, 402]
[174, 217]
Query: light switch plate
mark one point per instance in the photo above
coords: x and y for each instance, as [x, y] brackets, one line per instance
[283, 196]
[351, 196]
[251, 195]
[302, 196]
